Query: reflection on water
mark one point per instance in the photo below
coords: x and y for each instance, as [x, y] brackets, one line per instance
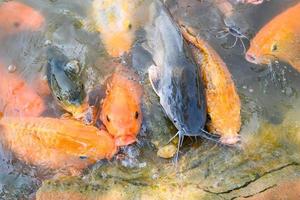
[269, 96]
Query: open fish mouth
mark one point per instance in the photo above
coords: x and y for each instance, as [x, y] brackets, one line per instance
[262, 60]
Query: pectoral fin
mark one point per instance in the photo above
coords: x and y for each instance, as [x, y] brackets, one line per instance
[154, 77]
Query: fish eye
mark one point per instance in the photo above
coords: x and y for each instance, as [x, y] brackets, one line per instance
[274, 47]
[83, 157]
[58, 97]
[129, 26]
[136, 115]
[16, 24]
[107, 118]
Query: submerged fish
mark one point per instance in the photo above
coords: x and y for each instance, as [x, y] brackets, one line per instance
[278, 39]
[121, 109]
[223, 102]
[255, 2]
[16, 17]
[64, 79]
[174, 75]
[17, 98]
[117, 21]
[55, 143]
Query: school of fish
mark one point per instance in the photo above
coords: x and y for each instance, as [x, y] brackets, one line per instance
[194, 85]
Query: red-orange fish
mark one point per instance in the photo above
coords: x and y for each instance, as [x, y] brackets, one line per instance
[223, 102]
[16, 17]
[17, 98]
[279, 39]
[55, 143]
[121, 109]
[117, 21]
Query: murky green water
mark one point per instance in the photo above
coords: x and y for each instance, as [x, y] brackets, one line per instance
[270, 111]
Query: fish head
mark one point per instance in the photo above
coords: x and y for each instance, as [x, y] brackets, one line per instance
[65, 82]
[121, 111]
[118, 42]
[69, 98]
[269, 44]
[114, 21]
[16, 17]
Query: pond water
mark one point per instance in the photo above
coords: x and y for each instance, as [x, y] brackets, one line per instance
[270, 135]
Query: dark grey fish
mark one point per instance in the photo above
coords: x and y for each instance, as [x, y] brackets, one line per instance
[64, 80]
[174, 74]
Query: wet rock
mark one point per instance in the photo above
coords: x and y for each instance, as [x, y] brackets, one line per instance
[167, 151]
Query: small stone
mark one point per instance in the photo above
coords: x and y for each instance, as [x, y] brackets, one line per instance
[12, 68]
[167, 151]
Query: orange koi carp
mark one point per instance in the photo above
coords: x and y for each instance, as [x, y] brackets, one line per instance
[117, 21]
[121, 109]
[55, 143]
[16, 17]
[278, 39]
[223, 102]
[17, 98]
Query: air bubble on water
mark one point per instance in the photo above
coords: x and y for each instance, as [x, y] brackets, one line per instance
[48, 42]
[245, 87]
[12, 68]
[251, 90]
[44, 78]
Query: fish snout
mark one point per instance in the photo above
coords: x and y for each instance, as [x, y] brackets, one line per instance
[251, 58]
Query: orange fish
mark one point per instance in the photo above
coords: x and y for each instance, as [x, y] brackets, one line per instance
[55, 143]
[223, 102]
[117, 21]
[16, 17]
[279, 39]
[17, 98]
[121, 109]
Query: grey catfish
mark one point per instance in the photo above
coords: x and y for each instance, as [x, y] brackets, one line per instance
[174, 75]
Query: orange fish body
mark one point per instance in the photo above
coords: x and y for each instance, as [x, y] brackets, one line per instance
[279, 39]
[117, 21]
[17, 98]
[223, 102]
[55, 143]
[16, 17]
[121, 109]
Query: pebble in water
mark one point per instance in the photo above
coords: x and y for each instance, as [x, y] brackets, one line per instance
[167, 151]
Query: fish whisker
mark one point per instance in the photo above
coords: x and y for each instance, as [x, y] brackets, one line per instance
[230, 47]
[219, 36]
[243, 45]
